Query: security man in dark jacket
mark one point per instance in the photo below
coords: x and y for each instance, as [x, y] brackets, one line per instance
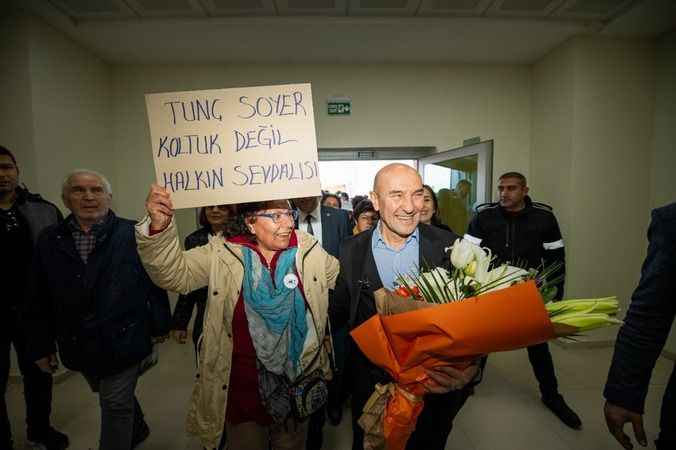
[526, 234]
[94, 301]
[23, 215]
[641, 339]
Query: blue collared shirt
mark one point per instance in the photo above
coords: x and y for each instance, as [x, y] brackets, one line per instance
[390, 262]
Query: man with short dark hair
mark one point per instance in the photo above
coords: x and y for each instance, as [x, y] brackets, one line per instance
[524, 233]
[94, 299]
[23, 215]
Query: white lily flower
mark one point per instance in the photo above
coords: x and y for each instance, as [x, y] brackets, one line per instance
[503, 277]
[482, 257]
[462, 254]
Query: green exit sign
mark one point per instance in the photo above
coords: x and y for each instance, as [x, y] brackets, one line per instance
[342, 108]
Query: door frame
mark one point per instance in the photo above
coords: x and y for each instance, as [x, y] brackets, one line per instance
[484, 151]
[374, 153]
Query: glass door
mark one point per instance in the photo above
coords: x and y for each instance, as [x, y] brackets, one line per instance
[461, 179]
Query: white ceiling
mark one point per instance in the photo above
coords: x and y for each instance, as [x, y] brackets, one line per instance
[344, 31]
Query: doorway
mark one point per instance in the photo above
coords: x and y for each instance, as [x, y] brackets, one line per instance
[460, 177]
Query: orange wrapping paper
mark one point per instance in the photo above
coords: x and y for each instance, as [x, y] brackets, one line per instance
[453, 333]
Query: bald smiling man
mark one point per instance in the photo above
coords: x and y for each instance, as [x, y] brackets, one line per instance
[371, 260]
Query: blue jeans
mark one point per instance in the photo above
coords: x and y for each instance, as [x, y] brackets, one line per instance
[120, 410]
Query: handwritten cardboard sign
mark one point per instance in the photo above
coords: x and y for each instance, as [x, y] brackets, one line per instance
[238, 145]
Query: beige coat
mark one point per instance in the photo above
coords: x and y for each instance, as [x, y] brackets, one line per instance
[220, 267]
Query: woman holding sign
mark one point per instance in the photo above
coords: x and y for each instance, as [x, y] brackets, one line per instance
[263, 364]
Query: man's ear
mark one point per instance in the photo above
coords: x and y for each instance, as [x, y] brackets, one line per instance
[374, 199]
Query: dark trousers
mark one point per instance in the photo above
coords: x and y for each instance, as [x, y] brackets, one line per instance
[543, 367]
[315, 438]
[667, 437]
[37, 384]
[434, 423]
[121, 414]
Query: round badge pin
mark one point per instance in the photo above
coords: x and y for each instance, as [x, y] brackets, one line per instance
[290, 281]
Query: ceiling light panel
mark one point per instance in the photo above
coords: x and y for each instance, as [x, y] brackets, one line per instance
[312, 7]
[383, 7]
[239, 7]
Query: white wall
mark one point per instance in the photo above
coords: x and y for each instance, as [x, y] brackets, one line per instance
[552, 133]
[612, 141]
[70, 97]
[593, 101]
[16, 114]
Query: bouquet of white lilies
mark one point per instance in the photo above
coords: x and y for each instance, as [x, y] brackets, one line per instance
[474, 273]
[438, 316]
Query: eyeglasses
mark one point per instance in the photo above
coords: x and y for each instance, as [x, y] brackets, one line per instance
[277, 217]
[79, 191]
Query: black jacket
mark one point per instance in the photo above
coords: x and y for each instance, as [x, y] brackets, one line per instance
[37, 214]
[336, 228]
[649, 318]
[186, 303]
[101, 314]
[530, 238]
[354, 255]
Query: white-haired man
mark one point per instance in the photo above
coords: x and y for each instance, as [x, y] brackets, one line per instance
[93, 298]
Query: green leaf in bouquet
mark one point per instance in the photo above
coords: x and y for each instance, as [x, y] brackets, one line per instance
[586, 321]
[606, 305]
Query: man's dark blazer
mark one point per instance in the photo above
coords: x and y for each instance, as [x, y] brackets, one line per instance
[352, 303]
[335, 229]
[355, 252]
[648, 321]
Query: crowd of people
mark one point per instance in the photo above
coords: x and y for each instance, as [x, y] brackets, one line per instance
[277, 285]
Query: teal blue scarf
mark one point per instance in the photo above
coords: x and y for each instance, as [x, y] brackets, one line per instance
[276, 313]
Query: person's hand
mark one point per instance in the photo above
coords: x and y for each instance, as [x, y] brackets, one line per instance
[617, 417]
[179, 336]
[48, 364]
[159, 207]
[446, 378]
[159, 339]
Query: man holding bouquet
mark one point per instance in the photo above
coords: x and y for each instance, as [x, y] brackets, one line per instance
[397, 245]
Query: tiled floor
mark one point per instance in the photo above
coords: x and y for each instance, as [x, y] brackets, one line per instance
[505, 413]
